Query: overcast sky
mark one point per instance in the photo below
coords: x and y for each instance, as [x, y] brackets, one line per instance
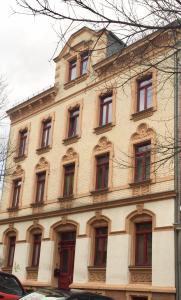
[27, 46]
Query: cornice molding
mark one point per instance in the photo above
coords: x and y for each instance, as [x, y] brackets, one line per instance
[33, 104]
[94, 206]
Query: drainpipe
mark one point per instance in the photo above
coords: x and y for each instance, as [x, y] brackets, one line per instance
[177, 137]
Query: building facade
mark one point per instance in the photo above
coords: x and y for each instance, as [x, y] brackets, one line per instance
[89, 203]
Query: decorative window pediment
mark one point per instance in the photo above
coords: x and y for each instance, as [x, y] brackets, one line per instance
[143, 132]
[43, 164]
[70, 155]
[19, 172]
[103, 145]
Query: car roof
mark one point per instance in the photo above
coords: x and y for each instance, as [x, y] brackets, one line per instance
[70, 293]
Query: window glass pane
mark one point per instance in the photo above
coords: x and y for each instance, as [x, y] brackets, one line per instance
[68, 236]
[145, 82]
[147, 166]
[149, 97]
[106, 172]
[104, 111]
[139, 168]
[143, 227]
[40, 187]
[143, 148]
[72, 70]
[36, 255]
[22, 143]
[140, 249]
[110, 113]
[16, 193]
[149, 249]
[73, 122]
[107, 99]
[141, 100]
[68, 179]
[84, 67]
[99, 177]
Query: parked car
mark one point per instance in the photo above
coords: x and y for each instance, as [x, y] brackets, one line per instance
[10, 287]
[55, 294]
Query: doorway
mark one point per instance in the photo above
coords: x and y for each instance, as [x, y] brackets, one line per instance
[67, 253]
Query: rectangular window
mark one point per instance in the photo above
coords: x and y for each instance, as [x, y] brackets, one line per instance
[36, 249]
[143, 244]
[142, 162]
[72, 69]
[84, 63]
[40, 189]
[22, 142]
[69, 171]
[45, 141]
[73, 122]
[144, 94]
[100, 255]
[102, 171]
[105, 110]
[16, 193]
[11, 249]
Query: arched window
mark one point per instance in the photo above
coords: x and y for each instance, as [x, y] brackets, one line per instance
[35, 241]
[140, 224]
[100, 249]
[10, 244]
[143, 243]
[99, 239]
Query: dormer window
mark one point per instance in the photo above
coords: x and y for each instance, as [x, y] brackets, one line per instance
[78, 66]
[72, 69]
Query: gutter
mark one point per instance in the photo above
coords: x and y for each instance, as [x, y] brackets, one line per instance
[177, 134]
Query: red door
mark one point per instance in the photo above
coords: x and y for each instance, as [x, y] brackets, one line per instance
[67, 252]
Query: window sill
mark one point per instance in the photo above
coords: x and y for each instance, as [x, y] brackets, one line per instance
[20, 158]
[143, 114]
[96, 268]
[30, 269]
[71, 83]
[11, 209]
[140, 267]
[103, 128]
[71, 140]
[7, 269]
[34, 205]
[139, 183]
[100, 191]
[63, 198]
[43, 150]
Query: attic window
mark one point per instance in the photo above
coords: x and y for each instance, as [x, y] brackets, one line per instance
[78, 66]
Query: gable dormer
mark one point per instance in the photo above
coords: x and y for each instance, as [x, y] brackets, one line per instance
[84, 48]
